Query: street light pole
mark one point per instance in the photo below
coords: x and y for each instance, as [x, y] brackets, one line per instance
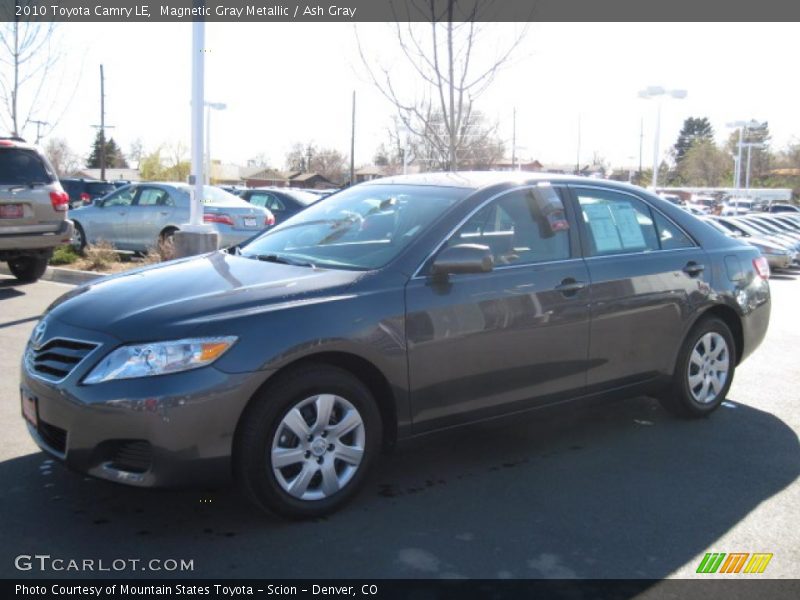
[209, 107]
[658, 92]
[655, 146]
[194, 237]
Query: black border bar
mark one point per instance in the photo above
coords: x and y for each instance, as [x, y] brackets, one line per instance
[151, 11]
[415, 589]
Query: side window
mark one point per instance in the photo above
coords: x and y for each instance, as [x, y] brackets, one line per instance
[124, 197]
[258, 200]
[274, 203]
[521, 227]
[670, 236]
[617, 223]
[154, 197]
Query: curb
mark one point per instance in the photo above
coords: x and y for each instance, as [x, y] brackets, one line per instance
[62, 275]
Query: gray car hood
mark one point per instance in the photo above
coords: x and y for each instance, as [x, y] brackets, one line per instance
[176, 297]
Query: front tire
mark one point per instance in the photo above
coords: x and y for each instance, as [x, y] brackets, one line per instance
[30, 268]
[78, 238]
[306, 442]
[704, 371]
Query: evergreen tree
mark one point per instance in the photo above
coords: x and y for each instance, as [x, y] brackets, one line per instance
[115, 159]
[694, 130]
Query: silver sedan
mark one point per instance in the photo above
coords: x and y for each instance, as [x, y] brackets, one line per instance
[139, 216]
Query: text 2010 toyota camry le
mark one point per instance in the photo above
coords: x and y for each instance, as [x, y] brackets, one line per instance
[390, 309]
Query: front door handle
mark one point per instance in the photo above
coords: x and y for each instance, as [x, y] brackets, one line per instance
[692, 269]
[570, 286]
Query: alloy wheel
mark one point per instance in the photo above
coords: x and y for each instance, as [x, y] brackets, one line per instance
[709, 366]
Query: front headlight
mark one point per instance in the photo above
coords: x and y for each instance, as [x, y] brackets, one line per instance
[159, 358]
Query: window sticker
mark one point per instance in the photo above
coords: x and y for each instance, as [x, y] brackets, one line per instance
[604, 231]
[630, 232]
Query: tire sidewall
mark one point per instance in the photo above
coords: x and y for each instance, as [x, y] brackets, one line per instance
[694, 407]
[258, 440]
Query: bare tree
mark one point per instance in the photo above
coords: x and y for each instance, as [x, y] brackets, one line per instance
[328, 162]
[64, 160]
[30, 79]
[444, 55]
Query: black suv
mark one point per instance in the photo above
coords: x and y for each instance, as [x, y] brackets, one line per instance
[85, 191]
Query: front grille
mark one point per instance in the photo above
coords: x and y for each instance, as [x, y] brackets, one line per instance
[134, 457]
[56, 359]
[53, 436]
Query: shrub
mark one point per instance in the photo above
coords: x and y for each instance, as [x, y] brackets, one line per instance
[100, 256]
[64, 255]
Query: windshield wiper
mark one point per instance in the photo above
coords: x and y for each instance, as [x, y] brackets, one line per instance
[276, 258]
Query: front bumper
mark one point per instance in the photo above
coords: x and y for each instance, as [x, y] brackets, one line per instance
[37, 241]
[169, 430]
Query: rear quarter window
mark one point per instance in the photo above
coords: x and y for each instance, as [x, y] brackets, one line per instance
[20, 166]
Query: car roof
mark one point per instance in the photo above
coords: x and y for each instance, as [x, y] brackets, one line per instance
[481, 179]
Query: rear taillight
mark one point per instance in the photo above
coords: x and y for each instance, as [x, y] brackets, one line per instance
[761, 266]
[59, 200]
[86, 198]
[218, 218]
[269, 220]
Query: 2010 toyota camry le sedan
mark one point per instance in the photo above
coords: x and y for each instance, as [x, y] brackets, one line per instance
[390, 309]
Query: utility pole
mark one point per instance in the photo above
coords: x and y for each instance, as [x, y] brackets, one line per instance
[578, 155]
[102, 127]
[353, 142]
[38, 125]
[514, 141]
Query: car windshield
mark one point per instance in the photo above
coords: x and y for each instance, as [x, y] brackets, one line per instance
[361, 228]
[19, 166]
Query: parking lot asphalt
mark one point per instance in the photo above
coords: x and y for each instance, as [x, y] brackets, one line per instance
[620, 490]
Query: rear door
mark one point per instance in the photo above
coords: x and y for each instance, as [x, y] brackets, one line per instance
[487, 343]
[647, 278]
[151, 211]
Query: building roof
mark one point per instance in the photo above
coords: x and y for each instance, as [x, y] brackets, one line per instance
[111, 174]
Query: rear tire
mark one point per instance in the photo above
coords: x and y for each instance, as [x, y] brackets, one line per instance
[28, 269]
[305, 443]
[704, 371]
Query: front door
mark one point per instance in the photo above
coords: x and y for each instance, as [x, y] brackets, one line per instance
[487, 343]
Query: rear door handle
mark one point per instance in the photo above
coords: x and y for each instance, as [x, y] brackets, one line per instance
[570, 286]
[693, 269]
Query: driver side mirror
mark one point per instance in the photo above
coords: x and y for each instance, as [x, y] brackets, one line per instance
[463, 258]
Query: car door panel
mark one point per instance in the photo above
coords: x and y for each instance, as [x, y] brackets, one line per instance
[489, 343]
[641, 300]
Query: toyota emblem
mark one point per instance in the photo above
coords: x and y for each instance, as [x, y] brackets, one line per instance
[38, 334]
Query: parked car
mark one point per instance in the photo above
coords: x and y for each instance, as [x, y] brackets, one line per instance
[118, 183]
[737, 206]
[33, 209]
[772, 226]
[236, 190]
[777, 255]
[696, 209]
[394, 308]
[757, 230]
[85, 191]
[282, 202]
[783, 208]
[137, 217]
